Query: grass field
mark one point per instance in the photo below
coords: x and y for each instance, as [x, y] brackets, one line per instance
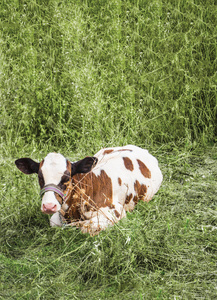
[76, 76]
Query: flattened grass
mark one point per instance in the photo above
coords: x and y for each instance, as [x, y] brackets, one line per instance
[165, 249]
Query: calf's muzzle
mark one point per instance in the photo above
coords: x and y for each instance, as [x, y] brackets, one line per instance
[50, 208]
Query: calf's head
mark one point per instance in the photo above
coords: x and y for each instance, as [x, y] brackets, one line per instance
[54, 174]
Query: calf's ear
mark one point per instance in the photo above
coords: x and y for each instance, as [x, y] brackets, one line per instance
[27, 165]
[83, 166]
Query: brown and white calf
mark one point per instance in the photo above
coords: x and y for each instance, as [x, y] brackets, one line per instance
[94, 192]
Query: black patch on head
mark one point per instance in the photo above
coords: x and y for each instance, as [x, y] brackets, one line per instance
[27, 165]
[83, 166]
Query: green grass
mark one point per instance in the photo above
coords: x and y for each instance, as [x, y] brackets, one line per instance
[165, 249]
[143, 71]
[76, 76]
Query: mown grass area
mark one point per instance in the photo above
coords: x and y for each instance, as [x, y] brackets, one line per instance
[76, 76]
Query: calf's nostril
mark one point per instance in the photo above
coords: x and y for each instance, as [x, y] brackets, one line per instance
[54, 207]
[49, 207]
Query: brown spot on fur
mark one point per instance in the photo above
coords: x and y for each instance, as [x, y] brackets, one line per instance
[41, 164]
[140, 190]
[40, 178]
[119, 181]
[117, 213]
[96, 191]
[59, 199]
[144, 170]
[73, 201]
[108, 151]
[68, 166]
[135, 199]
[128, 163]
[40, 175]
[128, 198]
[65, 180]
[87, 206]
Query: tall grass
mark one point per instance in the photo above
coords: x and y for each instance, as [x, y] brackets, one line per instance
[76, 76]
[109, 72]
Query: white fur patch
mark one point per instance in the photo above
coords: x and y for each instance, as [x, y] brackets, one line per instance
[55, 220]
[53, 169]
